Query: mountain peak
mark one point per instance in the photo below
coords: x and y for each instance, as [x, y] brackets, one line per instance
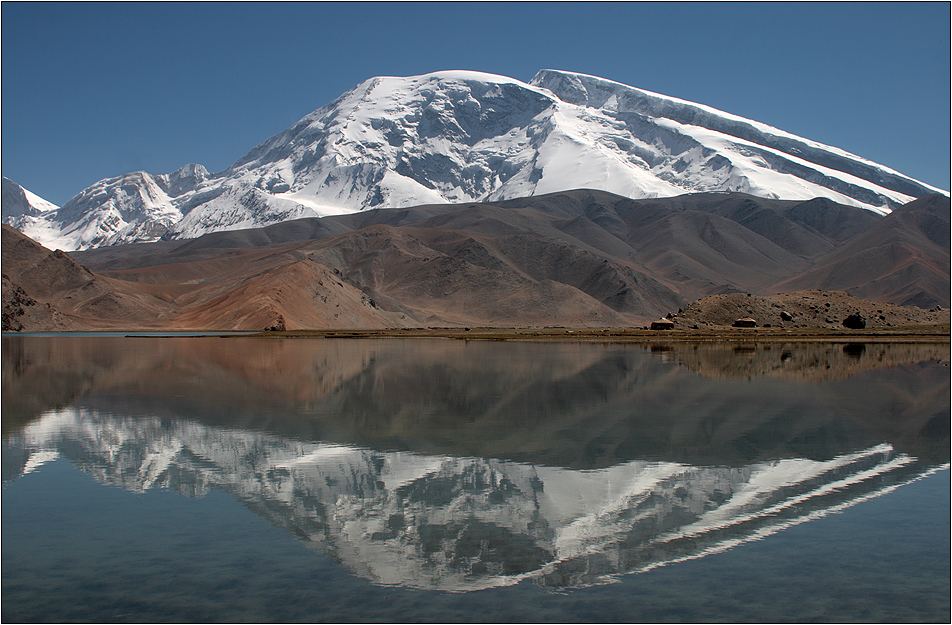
[186, 178]
[18, 202]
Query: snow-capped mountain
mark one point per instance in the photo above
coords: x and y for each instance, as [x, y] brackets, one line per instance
[21, 208]
[408, 519]
[134, 207]
[460, 136]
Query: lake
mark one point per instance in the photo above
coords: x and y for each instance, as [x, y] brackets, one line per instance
[250, 479]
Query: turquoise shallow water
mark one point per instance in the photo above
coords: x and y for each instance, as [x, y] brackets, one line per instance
[344, 495]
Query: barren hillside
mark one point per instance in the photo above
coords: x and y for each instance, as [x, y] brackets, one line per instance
[580, 259]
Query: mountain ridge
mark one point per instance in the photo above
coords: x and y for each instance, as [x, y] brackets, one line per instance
[573, 259]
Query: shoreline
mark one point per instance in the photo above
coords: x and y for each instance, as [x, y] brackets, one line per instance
[907, 334]
[915, 334]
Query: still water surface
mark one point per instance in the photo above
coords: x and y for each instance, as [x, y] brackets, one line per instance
[244, 479]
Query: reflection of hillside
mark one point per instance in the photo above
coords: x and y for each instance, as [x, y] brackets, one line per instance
[569, 405]
[222, 373]
[798, 361]
[291, 372]
[456, 523]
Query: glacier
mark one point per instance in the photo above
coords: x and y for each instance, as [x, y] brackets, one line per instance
[464, 136]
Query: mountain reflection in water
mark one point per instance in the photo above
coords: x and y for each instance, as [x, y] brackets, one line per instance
[463, 465]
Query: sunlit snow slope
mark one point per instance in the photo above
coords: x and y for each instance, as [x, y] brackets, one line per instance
[460, 136]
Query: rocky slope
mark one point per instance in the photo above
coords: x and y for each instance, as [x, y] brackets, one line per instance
[48, 290]
[253, 293]
[805, 309]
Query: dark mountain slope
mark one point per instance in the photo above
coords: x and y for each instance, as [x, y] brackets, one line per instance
[903, 258]
[447, 275]
[695, 248]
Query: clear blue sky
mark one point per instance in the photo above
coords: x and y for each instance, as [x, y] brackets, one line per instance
[91, 91]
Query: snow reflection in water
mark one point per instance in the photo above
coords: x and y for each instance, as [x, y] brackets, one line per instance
[453, 523]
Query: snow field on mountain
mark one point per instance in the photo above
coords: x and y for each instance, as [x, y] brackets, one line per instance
[769, 183]
[39, 203]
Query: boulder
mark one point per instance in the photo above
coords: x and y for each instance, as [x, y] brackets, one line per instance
[854, 322]
[747, 322]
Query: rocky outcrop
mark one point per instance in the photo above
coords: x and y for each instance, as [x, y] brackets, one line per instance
[805, 309]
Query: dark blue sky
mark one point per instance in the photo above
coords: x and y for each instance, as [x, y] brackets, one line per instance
[96, 90]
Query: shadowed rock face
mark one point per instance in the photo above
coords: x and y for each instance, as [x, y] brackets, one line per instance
[566, 464]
